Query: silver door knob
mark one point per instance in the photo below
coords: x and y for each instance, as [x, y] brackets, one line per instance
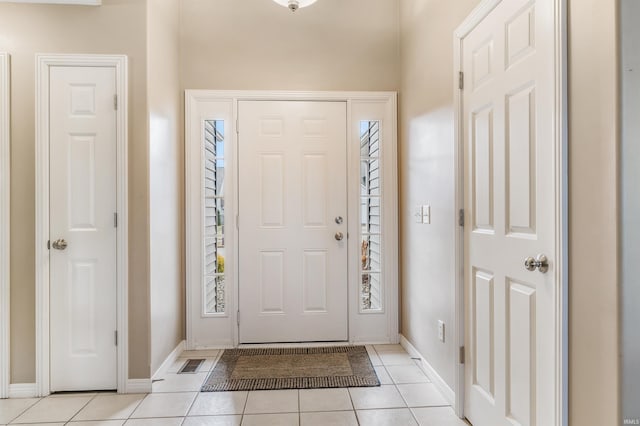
[339, 236]
[60, 244]
[540, 263]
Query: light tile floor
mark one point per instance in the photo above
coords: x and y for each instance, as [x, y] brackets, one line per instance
[405, 397]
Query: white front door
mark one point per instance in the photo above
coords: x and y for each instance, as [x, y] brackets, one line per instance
[510, 199]
[82, 216]
[292, 221]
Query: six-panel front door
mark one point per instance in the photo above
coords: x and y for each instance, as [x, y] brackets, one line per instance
[292, 221]
[510, 196]
[82, 228]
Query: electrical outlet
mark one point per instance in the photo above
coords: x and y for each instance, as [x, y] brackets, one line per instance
[441, 331]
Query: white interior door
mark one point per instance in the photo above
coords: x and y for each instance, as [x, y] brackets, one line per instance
[82, 216]
[292, 221]
[510, 193]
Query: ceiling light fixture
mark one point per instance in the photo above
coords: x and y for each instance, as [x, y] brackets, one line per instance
[294, 5]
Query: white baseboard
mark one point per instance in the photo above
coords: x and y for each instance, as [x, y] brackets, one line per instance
[364, 340]
[435, 378]
[138, 386]
[168, 362]
[212, 347]
[23, 390]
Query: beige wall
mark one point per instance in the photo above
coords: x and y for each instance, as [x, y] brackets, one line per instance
[118, 27]
[593, 203]
[426, 172]
[256, 44]
[165, 179]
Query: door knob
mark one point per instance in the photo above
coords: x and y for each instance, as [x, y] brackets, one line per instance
[339, 236]
[59, 244]
[540, 262]
[339, 220]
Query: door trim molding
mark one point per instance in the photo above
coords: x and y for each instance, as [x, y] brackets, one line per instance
[5, 213]
[375, 327]
[561, 262]
[22, 390]
[43, 64]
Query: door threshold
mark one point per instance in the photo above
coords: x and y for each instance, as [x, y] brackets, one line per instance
[83, 392]
[293, 345]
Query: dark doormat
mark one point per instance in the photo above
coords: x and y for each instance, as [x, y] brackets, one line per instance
[292, 368]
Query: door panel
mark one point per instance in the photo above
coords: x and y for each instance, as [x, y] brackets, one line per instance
[82, 207]
[292, 185]
[510, 195]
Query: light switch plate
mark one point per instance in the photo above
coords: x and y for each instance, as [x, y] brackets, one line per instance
[426, 214]
[441, 331]
[418, 214]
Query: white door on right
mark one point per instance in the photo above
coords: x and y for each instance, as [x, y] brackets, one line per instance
[511, 184]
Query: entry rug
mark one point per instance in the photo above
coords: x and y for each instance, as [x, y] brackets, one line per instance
[292, 368]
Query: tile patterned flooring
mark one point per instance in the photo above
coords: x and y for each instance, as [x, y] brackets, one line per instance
[406, 397]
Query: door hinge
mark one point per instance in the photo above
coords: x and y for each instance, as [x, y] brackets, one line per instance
[461, 358]
[115, 220]
[115, 334]
[115, 102]
[238, 317]
[461, 217]
[461, 80]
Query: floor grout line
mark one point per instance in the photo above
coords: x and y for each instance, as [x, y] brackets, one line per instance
[191, 405]
[25, 410]
[353, 406]
[246, 401]
[299, 410]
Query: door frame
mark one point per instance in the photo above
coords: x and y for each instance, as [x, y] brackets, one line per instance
[43, 64]
[561, 262]
[5, 212]
[363, 327]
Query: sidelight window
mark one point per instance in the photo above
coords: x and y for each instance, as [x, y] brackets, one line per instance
[370, 214]
[213, 223]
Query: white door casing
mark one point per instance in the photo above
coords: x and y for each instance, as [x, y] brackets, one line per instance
[5, 165]
[293, 248]
[203, 328]
[71, 201]
[82, 213]
[512, 143]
